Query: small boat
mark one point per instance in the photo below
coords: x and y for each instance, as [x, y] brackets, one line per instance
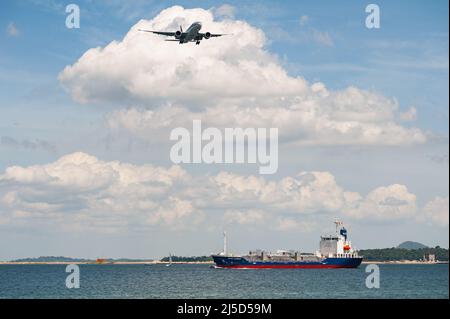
[170, 261]
[102, 261]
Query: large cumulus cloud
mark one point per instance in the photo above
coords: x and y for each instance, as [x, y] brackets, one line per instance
[390, 203]
[231, 81]
[143, 67]
[82, 192]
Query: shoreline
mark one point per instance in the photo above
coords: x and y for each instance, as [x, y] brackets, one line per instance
[156, 262]
[402, 262]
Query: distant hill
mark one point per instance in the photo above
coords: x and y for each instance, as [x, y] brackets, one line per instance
[46, 259]
[411, 245]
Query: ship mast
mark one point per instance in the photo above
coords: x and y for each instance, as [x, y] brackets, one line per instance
[338, 223]
[225, 243]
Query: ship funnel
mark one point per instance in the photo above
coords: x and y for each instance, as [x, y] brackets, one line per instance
[343, 232]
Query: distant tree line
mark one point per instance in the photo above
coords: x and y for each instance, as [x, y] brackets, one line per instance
[52, 259]
[46, 259]
[383, 254]
[395, 254]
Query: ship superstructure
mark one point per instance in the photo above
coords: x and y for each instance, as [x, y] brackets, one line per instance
[335, 251]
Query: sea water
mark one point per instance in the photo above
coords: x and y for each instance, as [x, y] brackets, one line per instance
[201, 281]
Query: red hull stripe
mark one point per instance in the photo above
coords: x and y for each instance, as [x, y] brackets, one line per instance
[286, 266]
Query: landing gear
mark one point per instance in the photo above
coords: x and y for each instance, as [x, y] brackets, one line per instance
[197, 43]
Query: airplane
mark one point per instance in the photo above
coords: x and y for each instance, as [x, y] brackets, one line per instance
[192, 34]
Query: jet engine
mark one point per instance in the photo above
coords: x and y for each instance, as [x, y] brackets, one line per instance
[207, 35]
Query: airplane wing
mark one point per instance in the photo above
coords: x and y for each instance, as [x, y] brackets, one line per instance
[169, 34]
[210, 35]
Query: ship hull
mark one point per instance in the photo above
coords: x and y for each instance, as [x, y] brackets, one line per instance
[243, 263]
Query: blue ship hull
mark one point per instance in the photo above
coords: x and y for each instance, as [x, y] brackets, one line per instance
[242, 262]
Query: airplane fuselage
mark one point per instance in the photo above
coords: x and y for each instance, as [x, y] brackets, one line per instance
[191, 33]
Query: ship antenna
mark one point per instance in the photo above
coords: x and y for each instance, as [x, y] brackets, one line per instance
[225, 243]
[338, 223]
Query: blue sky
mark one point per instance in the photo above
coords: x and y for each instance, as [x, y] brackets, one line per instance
[406, 59]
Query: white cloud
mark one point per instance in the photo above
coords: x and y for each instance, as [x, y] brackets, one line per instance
[409, 115]
[436, 211]
[230, 81]
[390, 203]
[334, 119]
[322, 37]
[81, 192]
[12, 30]
[86, 192]
[304, 20]
[225, 11]
[316, 192]
[138, 68]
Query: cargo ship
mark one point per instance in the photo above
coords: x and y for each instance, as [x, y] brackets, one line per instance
[335, 251]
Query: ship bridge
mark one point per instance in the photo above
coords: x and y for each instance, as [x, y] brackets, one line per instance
[337, 245]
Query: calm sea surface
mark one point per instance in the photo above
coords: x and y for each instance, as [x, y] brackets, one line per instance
[200, 281]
